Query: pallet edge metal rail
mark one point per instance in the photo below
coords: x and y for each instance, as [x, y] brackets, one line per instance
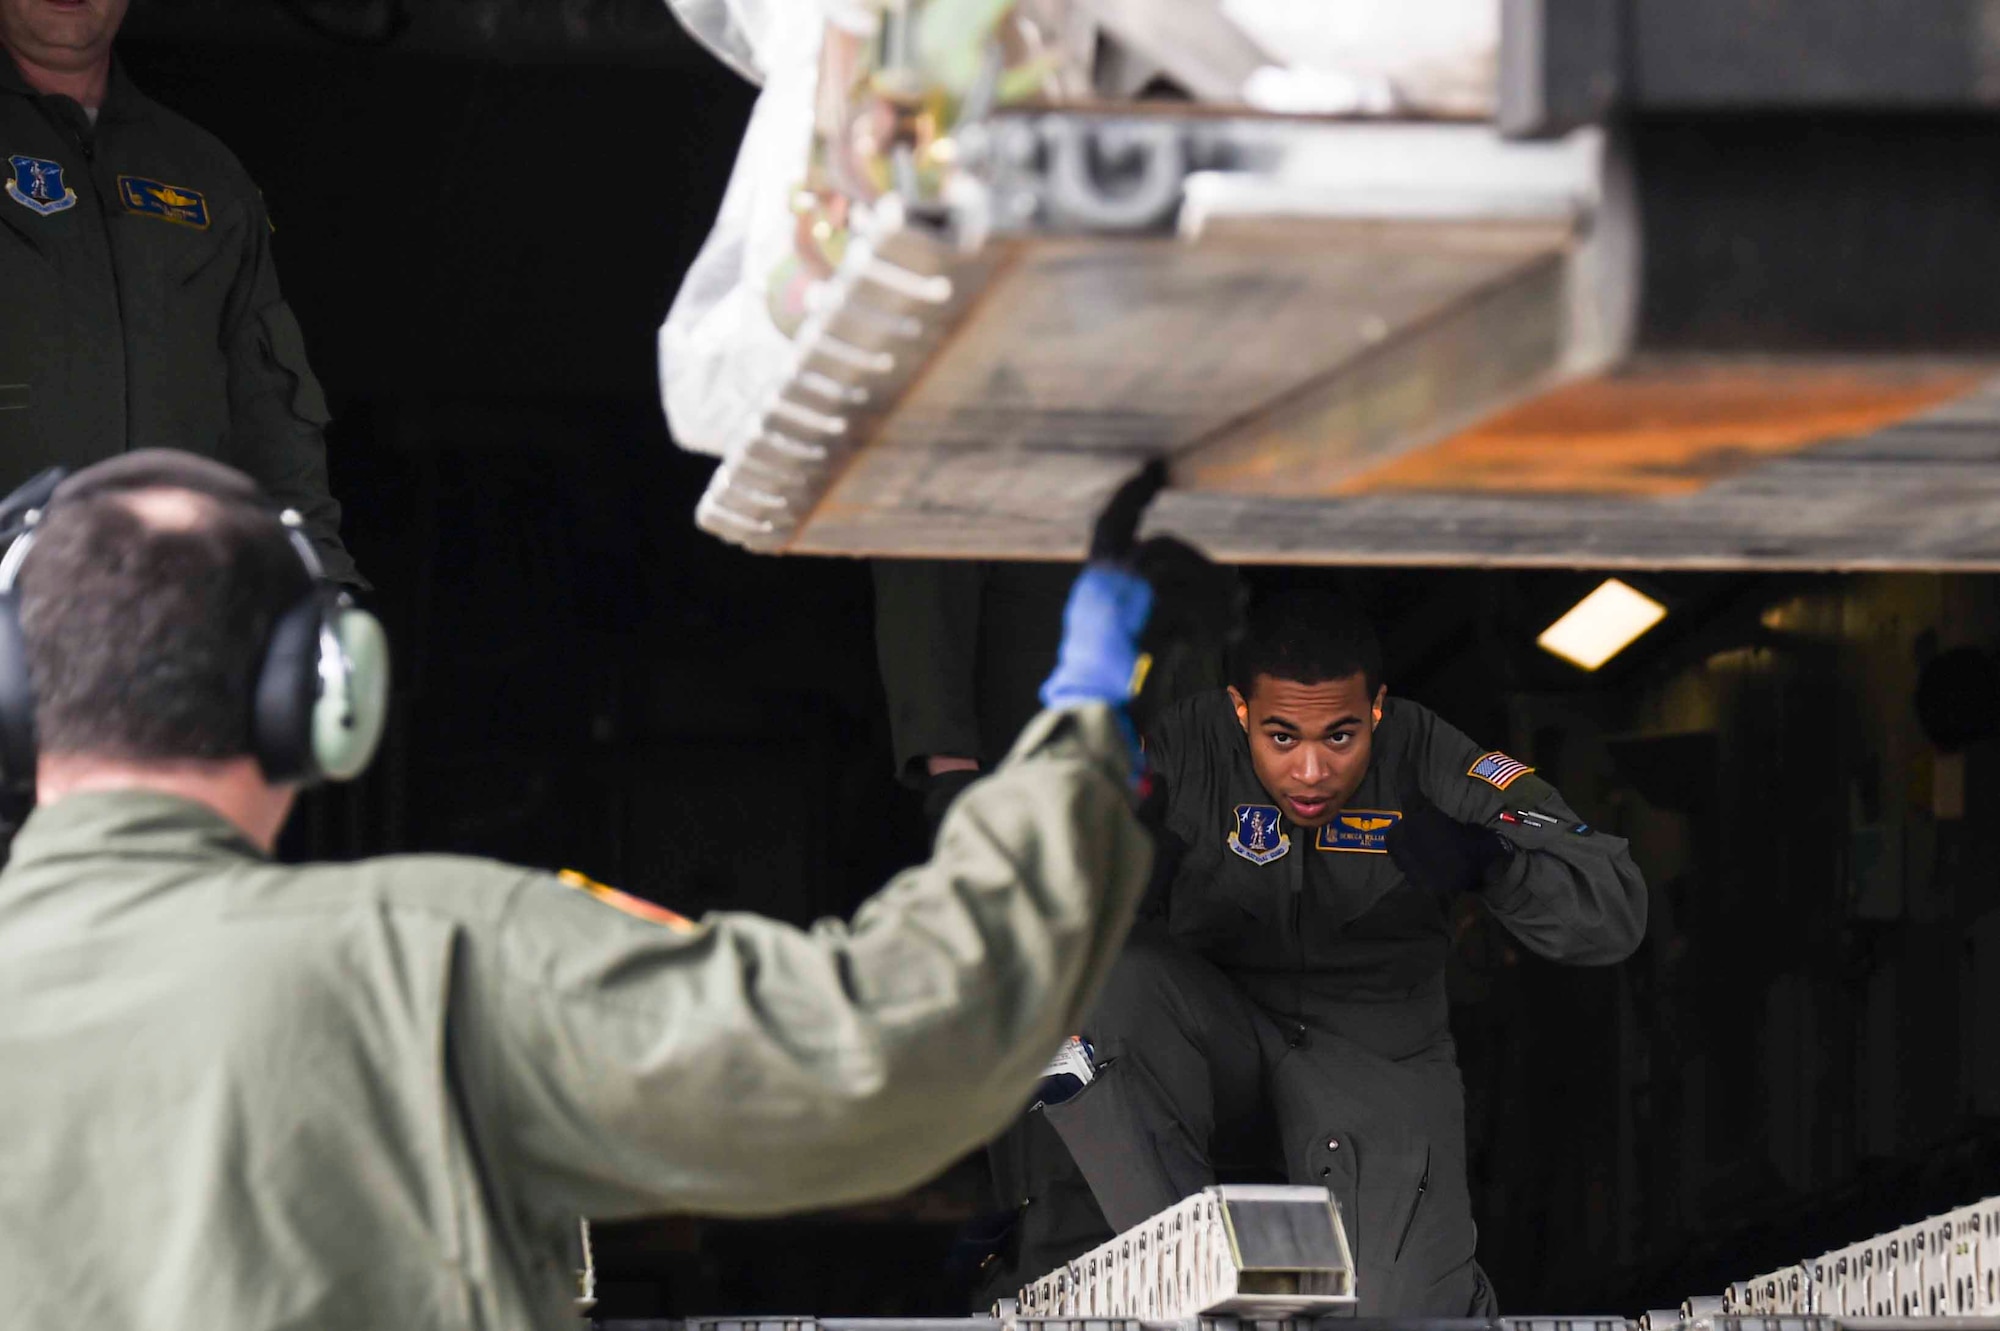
[1218, 1259]
[1937, 1271]
[1287, 1324]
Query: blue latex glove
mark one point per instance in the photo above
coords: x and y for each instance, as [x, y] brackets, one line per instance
[1099, 657]
[1107, 611]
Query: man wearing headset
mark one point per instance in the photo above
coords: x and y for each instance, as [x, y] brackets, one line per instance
[243, 1094]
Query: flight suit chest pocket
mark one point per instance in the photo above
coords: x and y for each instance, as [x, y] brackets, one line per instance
[189, 266]
[1219, 898]
[1341, 888]
[173, 274]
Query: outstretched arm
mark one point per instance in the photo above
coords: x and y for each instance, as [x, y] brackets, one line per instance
[742, 1066]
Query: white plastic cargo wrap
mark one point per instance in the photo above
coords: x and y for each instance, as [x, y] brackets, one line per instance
[1006, 137]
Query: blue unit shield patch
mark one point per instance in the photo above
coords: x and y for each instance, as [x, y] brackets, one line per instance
[37, 184]
[1365, 831]
[169, 203]
[1257, 837]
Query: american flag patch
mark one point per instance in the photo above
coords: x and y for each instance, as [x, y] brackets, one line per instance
[1498, 770]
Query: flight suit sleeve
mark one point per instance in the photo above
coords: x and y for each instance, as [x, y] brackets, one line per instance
[740, 1066]
[927, 645]
[278, 413]
[1569, 892]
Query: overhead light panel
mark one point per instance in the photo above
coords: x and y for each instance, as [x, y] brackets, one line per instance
[1601, 625]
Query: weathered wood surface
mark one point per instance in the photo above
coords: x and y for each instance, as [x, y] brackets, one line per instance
[1086, 355]
[1924, 494]
[1664, 426]
[1390, 395]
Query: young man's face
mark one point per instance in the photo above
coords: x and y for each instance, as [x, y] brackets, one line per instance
[1310, 743]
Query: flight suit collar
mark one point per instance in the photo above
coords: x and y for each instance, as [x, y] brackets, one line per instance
[122, 98]
[126, 824]
[11, 79]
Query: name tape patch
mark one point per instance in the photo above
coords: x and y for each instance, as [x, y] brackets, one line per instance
[1360, 831]
[170, 203]
[1498, 770]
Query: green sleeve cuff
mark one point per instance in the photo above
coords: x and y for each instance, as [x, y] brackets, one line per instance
[1089, 729]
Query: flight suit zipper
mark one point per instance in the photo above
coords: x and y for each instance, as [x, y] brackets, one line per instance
[1297, 1037]
[93, 314]
[86, 142]
[78, 131]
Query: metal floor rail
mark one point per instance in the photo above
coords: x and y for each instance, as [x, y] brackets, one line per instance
[1134, 1324]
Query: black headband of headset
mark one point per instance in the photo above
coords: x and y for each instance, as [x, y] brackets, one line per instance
[162, 469]
[144, 469]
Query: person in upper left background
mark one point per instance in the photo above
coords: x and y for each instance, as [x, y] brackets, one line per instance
[141, 301]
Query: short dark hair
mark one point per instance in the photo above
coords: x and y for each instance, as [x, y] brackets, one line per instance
[1308, 638]
[145, 640]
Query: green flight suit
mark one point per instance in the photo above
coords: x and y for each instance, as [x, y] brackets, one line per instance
[963, 647]
[142, 305]
[245, 1095]
[1291, 1005]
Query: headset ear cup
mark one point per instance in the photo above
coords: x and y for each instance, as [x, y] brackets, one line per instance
[353, 703]
[287, 687]
[17, 701]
